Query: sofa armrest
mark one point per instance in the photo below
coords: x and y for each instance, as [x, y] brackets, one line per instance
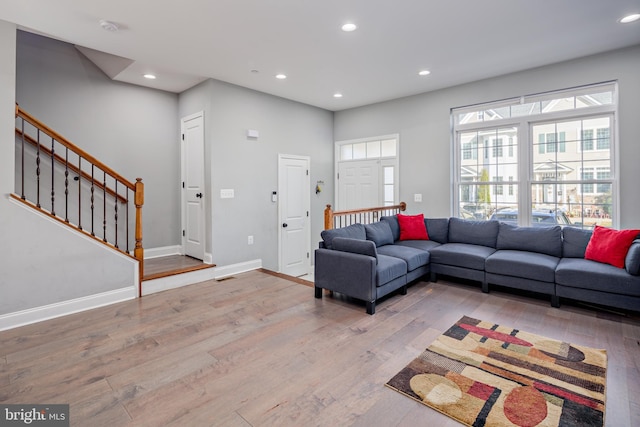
[350, 274]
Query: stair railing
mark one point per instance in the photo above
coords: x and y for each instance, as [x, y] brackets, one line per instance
[338, 219]
[94, 204]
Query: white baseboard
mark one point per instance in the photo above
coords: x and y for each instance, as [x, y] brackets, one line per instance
[162, 251]
[184, 279]
[172, 250]
[46, 312]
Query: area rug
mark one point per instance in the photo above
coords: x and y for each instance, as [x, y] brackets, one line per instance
[483, 374]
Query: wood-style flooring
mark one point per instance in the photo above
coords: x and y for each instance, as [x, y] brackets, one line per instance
[260, 350]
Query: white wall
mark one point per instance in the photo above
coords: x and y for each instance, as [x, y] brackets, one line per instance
[45, 265]
[250, 167]
[423, 122]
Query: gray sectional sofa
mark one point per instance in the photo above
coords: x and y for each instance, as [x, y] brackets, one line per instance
[369, 261]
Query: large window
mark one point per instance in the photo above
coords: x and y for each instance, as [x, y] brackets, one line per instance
[545, 158]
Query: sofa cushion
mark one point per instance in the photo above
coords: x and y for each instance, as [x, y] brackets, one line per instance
[379, 233]
[527, 265]
[438, 229]
[389, 268]
[354, 231]
[543, 240]
[424, 245]
[393, 223]
[355, 246]
[632, 261]
[412, 227]
[610, 246]
[413, 257]
[574, 242]
[585, 274]
[483, 233]
[461, 255]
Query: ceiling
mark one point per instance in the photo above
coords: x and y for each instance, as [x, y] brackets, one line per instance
[248, 42]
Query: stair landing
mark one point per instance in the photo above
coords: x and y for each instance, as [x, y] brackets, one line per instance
[155, 268]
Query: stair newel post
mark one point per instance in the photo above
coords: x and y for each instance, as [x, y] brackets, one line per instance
[53, 188]
[138, 252]
[328, 218]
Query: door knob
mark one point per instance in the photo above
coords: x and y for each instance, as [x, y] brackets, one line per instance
[285, 225]
[199, 195]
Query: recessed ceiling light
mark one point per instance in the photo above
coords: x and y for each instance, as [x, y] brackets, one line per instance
[108, 25]
[149, 76]
[281, 76]
[630, 18]
[424, 73]
[337, 95]
[348, 27]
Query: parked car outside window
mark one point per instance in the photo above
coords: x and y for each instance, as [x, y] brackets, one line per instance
[539, 217]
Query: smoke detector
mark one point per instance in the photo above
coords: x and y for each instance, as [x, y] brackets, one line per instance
[109, 26]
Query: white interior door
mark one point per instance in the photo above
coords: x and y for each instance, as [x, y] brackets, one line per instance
[359, 184]
[293, 209]
[193, 186]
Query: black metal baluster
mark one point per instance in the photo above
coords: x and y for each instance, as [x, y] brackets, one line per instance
[53, 190]
[92, 199]
[66, 185]
[104, 206]
[116, 215]
[80, 192]
[22, 170]
[127, 216]
[38, 171]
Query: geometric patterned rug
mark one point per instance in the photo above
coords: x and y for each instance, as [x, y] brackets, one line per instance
[483, 374]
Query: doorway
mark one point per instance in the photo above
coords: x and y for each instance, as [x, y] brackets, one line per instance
[193, 225]
[293, 214]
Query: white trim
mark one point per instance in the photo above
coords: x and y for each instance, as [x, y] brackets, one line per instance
[64, 308]
[163, 251]
[178, 280]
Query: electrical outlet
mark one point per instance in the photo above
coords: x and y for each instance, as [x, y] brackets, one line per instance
[417, 197]
[250, 240]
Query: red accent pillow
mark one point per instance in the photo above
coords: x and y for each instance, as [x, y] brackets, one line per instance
[610, 246]
[412, 227]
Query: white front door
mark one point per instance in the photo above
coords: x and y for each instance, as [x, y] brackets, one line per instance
[293, 214]
[359, 185]
[193, 185]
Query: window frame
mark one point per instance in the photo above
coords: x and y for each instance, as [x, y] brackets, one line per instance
[525, 144]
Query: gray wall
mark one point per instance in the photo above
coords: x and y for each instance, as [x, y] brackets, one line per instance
[43, 263]
[132, 129]
[250, 167]
[423, 122]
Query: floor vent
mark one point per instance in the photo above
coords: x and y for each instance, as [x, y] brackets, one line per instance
[225, 278]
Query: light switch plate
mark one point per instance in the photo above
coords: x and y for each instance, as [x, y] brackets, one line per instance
[227, 193]
[417, 197]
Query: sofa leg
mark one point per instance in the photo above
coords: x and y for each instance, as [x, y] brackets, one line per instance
[403, 290]
[485, 287]
[371, 307]
[433, 277]
[318, 292]
[555, 301]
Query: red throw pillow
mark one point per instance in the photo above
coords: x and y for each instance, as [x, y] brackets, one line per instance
[610, 246]
[412, 227]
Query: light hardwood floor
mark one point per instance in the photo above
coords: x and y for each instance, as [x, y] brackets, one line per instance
[260, 350]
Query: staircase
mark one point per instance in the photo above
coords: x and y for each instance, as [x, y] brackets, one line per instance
[57, 178]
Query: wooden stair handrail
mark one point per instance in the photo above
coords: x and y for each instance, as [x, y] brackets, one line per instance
[65, 142]
[72, 167]
[329, 214]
